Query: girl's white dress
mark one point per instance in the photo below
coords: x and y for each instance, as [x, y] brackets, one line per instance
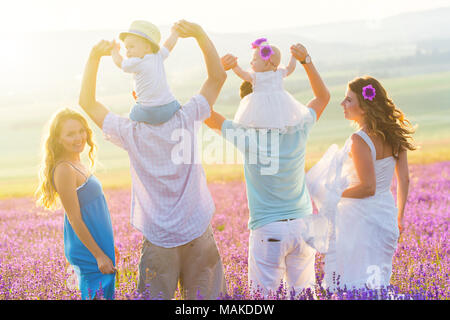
[358, 236]
[270, 106]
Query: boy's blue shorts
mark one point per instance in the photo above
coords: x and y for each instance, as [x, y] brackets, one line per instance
[154, 115]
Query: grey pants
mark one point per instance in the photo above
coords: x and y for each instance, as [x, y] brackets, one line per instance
[196, 265]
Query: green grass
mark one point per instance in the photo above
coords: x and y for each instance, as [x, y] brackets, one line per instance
[120, 177]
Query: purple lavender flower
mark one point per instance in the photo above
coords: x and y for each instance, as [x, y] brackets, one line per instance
[265, 52]
[368, 92]
[32, 263]
[258, 42]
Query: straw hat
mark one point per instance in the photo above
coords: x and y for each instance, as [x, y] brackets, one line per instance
[146, 30]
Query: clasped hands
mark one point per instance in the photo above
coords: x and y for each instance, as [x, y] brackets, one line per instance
[183, 28]
[297, 50]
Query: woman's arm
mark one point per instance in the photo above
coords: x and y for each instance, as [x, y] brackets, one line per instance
[321, 93]
[65, 183]
[402, 173]
[362, 159]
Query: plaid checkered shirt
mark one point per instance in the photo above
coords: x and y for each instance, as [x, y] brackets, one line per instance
[170, 203]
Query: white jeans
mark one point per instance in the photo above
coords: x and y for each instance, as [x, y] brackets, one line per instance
[278, 253]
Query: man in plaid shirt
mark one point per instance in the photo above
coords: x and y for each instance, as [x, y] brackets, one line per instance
[170, 202]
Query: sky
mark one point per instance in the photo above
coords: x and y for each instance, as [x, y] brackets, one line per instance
[214, 16]
[227, 16]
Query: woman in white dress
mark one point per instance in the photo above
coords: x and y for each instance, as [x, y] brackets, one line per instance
[358, 224]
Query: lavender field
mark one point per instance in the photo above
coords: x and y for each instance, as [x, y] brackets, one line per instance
[32, 263]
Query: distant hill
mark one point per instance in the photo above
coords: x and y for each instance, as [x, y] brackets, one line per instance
[52, 62]
[403, 28]
[409, 53]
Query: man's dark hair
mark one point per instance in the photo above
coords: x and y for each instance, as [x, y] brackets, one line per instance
[245, 89]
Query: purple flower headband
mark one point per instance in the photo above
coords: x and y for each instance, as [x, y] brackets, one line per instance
[368, 92]
[265, 50]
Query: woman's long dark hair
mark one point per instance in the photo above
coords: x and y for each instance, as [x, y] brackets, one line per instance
[382, 117]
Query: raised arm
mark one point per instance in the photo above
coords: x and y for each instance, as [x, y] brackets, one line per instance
[291, 66]
[65, 183]
[402, 173]
[116, 56]
[96, 111]
[244, 75]
[321, 93]
[216, 76]
[215, 121]
[362, 159]
[172, 40]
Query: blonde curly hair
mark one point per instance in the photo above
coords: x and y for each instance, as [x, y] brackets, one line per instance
[51, 153]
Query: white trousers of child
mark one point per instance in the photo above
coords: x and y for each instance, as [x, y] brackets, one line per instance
[278, 255]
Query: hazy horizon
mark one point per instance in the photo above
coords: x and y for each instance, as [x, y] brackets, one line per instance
[273, 27]
[408, 52]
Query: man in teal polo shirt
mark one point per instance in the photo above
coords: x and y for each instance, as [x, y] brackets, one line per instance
[277, 194]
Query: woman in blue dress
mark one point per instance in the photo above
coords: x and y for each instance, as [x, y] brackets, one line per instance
[88, 234]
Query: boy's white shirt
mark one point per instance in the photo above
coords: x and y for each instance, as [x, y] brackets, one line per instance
[150, 79]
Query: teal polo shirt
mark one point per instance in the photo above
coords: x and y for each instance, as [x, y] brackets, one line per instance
[274, 168]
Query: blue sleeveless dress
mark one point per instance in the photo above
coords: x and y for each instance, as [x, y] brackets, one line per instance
[97, 218]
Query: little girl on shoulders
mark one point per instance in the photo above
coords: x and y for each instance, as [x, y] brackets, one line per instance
[269, 106]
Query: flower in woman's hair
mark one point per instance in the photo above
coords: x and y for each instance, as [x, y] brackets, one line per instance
[265, 52]
[258, 42]
[368, 92]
